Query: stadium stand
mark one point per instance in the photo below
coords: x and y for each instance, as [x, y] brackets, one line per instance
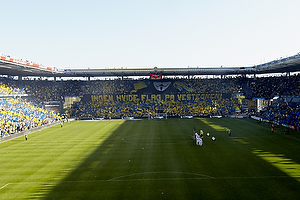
[268, 87]
[143, 98]
[18, 115]
[140, 98]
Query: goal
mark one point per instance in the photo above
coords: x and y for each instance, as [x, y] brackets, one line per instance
[158, 116]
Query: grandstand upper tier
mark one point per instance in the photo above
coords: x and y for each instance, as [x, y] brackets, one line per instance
[16, 67]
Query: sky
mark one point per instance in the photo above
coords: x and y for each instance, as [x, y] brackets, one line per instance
[99, 34]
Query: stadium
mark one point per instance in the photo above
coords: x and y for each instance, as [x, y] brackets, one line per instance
[124, 133]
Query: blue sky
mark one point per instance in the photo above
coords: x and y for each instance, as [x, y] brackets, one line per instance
[162, 33]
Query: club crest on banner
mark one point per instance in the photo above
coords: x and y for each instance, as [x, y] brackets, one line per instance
[161, 86]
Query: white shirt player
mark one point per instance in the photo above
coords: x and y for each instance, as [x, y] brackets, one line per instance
[198, 140]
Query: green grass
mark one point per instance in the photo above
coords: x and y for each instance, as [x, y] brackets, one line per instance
[152, 159]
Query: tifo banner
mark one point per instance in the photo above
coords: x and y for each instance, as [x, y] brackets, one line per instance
[161, 86]
[155, 97]
[163, 90]
[157, 87]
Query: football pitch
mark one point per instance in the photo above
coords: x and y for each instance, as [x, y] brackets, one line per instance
[152, 159]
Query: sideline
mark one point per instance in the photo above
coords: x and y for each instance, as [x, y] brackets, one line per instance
[27, 132]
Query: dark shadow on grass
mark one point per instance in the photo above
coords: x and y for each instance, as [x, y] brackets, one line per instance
[119, 169]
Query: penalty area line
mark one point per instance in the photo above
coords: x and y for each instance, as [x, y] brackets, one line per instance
[5, 185]
[125, 178]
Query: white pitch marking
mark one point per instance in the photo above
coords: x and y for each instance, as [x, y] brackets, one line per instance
[202, 175]
[198, 178]
[5, 185]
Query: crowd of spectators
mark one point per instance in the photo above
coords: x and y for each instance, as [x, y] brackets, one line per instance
[200, 107]
[216, 85]
[263, 87]
[268, 87]
[18, 115]
[257, 87]
[49, 90]
[287, 113]
[148, 108]
[113, 109]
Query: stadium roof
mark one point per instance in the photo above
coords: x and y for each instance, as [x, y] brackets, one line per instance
[15, 67]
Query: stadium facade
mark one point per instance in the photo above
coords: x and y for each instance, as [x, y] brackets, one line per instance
[16, 67]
